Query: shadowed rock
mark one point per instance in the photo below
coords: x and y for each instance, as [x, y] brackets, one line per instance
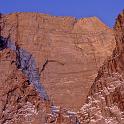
[3, 43]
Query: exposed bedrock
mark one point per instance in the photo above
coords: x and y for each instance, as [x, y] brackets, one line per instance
[19, 101]
[105, 102]
[68, 52]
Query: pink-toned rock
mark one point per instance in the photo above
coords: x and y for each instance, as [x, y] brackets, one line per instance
[68, 52]
[106, 96]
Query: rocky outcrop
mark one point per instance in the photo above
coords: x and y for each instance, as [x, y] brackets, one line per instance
[19, 101]
[68, 52]
[105, 103]
[23, 99]
[26, 63]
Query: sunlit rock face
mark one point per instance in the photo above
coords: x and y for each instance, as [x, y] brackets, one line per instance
[68, 52]
[105, 102]
[23, 99]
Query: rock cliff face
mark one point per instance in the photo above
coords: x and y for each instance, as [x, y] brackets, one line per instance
[68, 52]
[105, 102]
[19, 101]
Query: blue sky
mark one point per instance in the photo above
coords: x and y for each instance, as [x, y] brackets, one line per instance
[106, 10]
